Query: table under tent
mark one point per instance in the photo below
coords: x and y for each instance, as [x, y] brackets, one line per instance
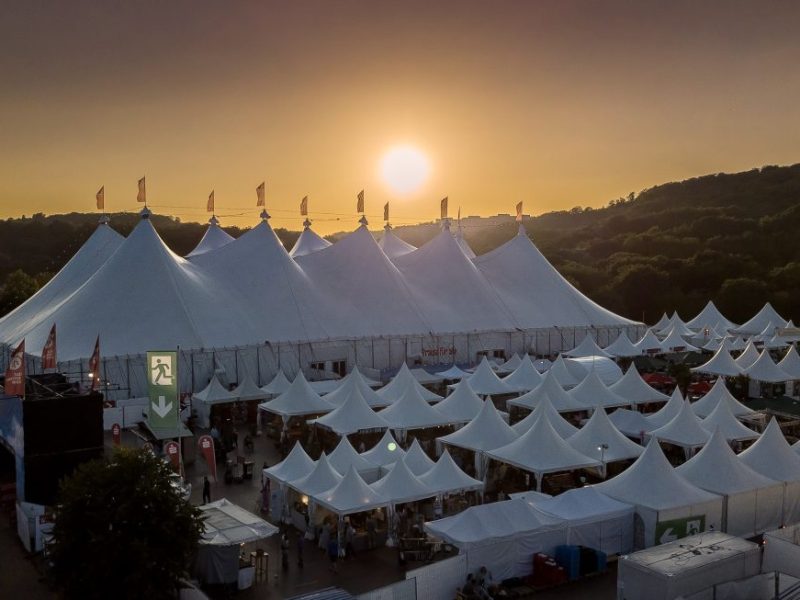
[206, 401]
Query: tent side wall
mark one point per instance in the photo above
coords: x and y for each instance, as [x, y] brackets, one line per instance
[609, 534]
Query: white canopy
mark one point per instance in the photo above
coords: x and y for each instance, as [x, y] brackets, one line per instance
[416, 459]
[599, 431]
[308, 242]
[248, 390]
[567, 373]
[510, 365]
[298, 399]
[772, 456]
[723, 421]
[322, 477]
[484, 381]
[401, 485]
[445, 477]
[593, 392]
[214, 393]
[685, 429]
[410, 411]
[453, 373]
[721, 363]
[677, 328]
[675, 343]
[630, 422]
[662, 323]
[226, 524]
[352, 383]
[403, 380]
[607, 370]
[385, 452]
[458, 235]
[649, 343]
[550, 388]
[278, 385]
[790, 363]
[713, 344]
[392, 245]
[765, 369]
[635, 389]
[667, 412]
[462, 405]
[622, 347]
[748, 357]
[344, 456]
[525, 376]
[765, 317]
[425, 378]
[719, 394]
[486, 431]
[352, 416]
[351, 495]
[710, 315]
[737, 343]
[213, 238]
[297, 464]
[563, 427]
[587, 347]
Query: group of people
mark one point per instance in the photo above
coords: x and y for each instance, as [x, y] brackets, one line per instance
[480, 586]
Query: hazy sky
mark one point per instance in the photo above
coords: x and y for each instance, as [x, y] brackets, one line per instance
[556, 103]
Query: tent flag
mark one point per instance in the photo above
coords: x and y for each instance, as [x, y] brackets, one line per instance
[519, 212]
[304, 206]
[100, 196]
[141, 196]
[15, 373]
[210, 205]
[443, 207]
[260, 193]
[94, 364]
[386, 212]
[360, 203]
[206, 444]
[173, 452]
[49, 350]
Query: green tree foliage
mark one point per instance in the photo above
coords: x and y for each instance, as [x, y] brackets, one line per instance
[18, 287]
[122, 531]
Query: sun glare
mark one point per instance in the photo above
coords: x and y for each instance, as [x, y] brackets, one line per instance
[404, 169]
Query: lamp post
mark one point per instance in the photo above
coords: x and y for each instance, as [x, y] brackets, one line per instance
[602, 448]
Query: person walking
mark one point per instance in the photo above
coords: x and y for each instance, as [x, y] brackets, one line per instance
[206, 490]
[285, 552]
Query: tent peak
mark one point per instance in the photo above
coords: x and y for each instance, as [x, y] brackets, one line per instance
[264, 215]
[307, 223]
[363, 221]
[145, 213]
[213, 220]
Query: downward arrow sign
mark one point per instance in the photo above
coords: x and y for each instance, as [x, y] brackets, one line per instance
[162, 409]
[667, 536]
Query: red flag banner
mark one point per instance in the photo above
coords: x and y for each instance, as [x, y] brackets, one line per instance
[173, 452]
[141, 196]
[360, 203]
[261, 194]
[15, 374]
[443, 207]
[49, 350]
[519, 212]
[386, 212]
[94, 364]
[116, 434]
[100, 196]
[210, 205]
[304, 206]
[206, 443]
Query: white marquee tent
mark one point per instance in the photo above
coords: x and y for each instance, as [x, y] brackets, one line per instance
[719, 394]
[635, 389]
[308, 242]
[213, 238]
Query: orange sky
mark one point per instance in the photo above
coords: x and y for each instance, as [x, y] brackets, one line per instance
[557, 104]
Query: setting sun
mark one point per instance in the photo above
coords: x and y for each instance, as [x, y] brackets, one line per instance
[404, 169]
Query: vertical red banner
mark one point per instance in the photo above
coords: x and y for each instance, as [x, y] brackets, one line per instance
[173, 452]
[116, 434]
[206, 443]
[49, 350]
[15, 374]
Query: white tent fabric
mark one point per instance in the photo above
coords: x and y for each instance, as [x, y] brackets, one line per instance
[675, 343]
[722, 363]
[392, 245]
[594, 520]
[567, 373]
[322, 477]
[710, 315]
[353, 383]
[667, 412]
[535, 293]
[484, 381]
[678, 329]
[213, 393]
[673, 319]
[649, 343]
[213, 238]
[563, 427]
[323, 387]
[458, 235]
[416, 459]
[593, 392]
[353, 415]
[445, 477]
[400, 485]
[351, 495]
[385, 452]
[607, 370]
[775, 342]
[717, 394]
[410, 411]
[511, 365]
[453, 373]
[753, 503]
[278, 385]
[344, 456]
[630, 422]
[662, 323]
[790, 363]
[767, 334]
[403, 380]
[297, 464]
[622, 347]
[685, 430]
[659, 493]
[738, 343]
[248, 390]
[462, 405]
[713, 344]
[425, 378]
[525, 376]
[550, 388]
[635, 389]
[298, 399]
[763, 318]
[723, 421]
[486, 431]
[765, 369]
[587, 347]
[600, 431]
[226, 524]
[308, 242]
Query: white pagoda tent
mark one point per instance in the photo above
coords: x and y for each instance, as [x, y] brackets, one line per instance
[213, 238]
[510, 365]
[675, 343]
[790, 363]
[484, 381]
[322, 477]
[392, 245]
[566, 372]
[723, 421]
[345, 456]
[299, 399]
[563, 427]
[765, 317]
[722, 363]
[622, 347]
[308, 242]
[599, 432]
[764, 369]
[400, 485]
[593, 392]
[737, 343]
[297, 464]
[667, 412]
[352, 416]
[719, 394]
[550, 388]
[351, 495]
[685, 430]
[416, 459]
[462, 405]
[649, 344]
[662, 323]
[525, 377]
[446, 477]
[453, 373]
[403, 380]
[587, 347]
[385, 452]
[630, 422]
[710, 315]
[410, 411]
[279, 384]
[352, 383]
[248, 390]
[214, 393]
[635, 389]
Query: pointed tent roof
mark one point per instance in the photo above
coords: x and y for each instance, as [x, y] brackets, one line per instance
[485, 432]
[351, 495]
[767, 334]
[392, 245]
[214, 393]
[765, 317]
[353, 415]
[511, 365]
[622, 347]
[776, 341]
[525, 377]
[424, 377]
[790, 363]
[653, 483]
[635, 389]
[675, 343]
[719, 393]
[630, 422]
[322, 477]
[458, 235]
[403, 380]
[678, 327]
[94, 252]
[722, 363]
[450, 289]
[648, 343]
[400, 485]
[566, 373]
[308, 242]
[535, 293]
[417, 460]
[662, 323]
[213, 238]
[410, 411]
[344, 456]
[726, 424]
[550, 388]
[713, 344]
[582, 503]
[593, 392]
[484, 380]
[352, 382]
[765, 369]
[599, 430]
[278, 385]
[710, 315]
[248, 390]
[446, 477]
[587, 347]
[297, 464]
[385, 452]
[541, 450]
[453, 373]
[298, 399]
[716, 468]
[462, 405]
[684, 429]
[772, 456]
[545, 409]
[737, 343]
[667, 412]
